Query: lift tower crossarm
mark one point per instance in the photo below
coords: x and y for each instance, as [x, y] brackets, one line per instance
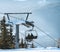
[19, 13]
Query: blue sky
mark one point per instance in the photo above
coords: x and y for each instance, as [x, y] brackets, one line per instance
[45, 14]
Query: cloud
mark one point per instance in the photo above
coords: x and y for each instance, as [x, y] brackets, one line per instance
[43, 2]
[20, 0]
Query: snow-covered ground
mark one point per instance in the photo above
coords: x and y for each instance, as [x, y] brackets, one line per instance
[48, 49]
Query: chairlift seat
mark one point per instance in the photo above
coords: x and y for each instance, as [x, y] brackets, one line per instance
[30, 35]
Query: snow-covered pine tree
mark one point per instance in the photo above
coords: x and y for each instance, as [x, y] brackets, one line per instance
[6, 38]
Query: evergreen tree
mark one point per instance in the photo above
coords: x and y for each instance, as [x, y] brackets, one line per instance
[22, 43]
[6, 39]
[25, 44]
[32, 46]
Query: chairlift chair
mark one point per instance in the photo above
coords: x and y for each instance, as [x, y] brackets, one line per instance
[30, 35]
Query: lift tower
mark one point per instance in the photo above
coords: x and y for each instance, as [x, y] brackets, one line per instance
[17, 26]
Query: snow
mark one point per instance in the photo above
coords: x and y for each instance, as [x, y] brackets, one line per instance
[48, 49]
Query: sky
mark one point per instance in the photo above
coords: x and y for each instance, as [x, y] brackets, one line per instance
[45, 14]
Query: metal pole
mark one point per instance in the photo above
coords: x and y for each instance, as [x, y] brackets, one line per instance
[17, 37]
